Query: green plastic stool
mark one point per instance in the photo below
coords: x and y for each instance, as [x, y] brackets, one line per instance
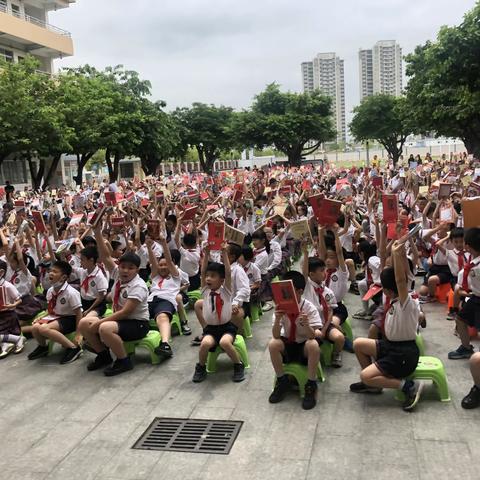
[193, 296]
[430, 368]
[300, 373]
[241, 349]
[247, 328]
[51, 345]
[326, 351]
[420, 344]
[150, 342]
[175, 322]
[255, 312]
[347, 329]
[108, 311]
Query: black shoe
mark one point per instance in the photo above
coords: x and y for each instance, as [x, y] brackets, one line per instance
[71, 354]
[118, 367]
[412, 391]
[360, 387]
[310, 398]
[281, 388]
[164, 350]
[186, 330]
[348, 346]
[200, 373]
[39, 352]
[196, 341]
[238, 372]
[103, 359]
[472, 400]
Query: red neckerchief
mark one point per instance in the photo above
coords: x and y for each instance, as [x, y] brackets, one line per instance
[386, 308]
[319, 291]
[162, 279]
[116, 295]
[14, 277]
[235, 222]
[258, 251]
[87, 279]
[330, 272]
[466, 273]
[52, 303]
[369, 276]
[217, 304]
[461, 259]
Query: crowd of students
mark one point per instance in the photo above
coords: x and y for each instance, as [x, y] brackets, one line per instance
[94, 267]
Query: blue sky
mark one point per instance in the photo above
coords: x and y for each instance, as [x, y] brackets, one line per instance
[224, 51]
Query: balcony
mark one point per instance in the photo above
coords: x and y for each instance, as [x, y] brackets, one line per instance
[32, 34]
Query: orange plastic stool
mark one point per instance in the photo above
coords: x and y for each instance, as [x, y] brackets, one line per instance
[450, 299]
[442, 292]
[473, 332]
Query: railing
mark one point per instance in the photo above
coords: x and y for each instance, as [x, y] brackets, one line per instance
[35, 21]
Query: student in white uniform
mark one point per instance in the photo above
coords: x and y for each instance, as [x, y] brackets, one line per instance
[129, 320]
[64, 314]
[395, 356]
[253, 272]
[217, 312]
[190, 257]
[162, 301]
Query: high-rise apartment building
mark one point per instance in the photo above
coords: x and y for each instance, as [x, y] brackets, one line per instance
[365, 63]
[380, 69]
[326, 73]
[25, 29]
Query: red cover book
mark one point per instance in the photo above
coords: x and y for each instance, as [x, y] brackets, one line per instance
[326, 210]
[97, 216]
[372, 291]
[159, 196]
[110, 198]
[444, 190]
[285, 298]
[216, 235]
[39, 222]
[190, 213]
[19, 204]
[306, 185]
[117, 221]
[286, 190]
[390, 208]
[237, 195]
[204, 196]
[153, 228]
[377, 182]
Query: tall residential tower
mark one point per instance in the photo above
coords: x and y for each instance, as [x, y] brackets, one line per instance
[326, 73]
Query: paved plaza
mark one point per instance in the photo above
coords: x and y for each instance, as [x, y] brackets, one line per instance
[62, 422]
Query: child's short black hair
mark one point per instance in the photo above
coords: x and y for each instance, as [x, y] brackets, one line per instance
[472, 238]
[456, 232]
[115, 244]
[315, 263]
[90, 253]
[215, 267]
[234, 250]
[247, 253]
[368, 249]
[3, 266]
[297, 278]
[387, 278]
[176, 256]
[63, 266]
[130, 257]
[89, 240]
[190, 240]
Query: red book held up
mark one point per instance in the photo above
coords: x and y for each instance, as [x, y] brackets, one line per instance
[190, 213]
[216, 235]
[38, 221]
[372, 291]
[390, 208]
[110, 198]
[153, 228]
[285, 298]
[377, 182]
[117, 221]
[327, 211]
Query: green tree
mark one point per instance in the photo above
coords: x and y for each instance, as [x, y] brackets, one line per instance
[205, 127]
[294, 123]
[385, 119]
[444, 86]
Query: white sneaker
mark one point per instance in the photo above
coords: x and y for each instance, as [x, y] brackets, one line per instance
[267, 307]
[6, 349]
[20, 345]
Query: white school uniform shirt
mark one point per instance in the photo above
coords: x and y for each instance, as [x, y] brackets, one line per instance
[190, 260]
[374, 264]
[261, 260]
[240, 285]
[253, 273]
[135, 289]
[275, 255]
[346, 240]
[11, 293]
[339, 283]
[312, 296]
[438, 258]
[244, 225]
[67, 300]
[452, 259]
[184, 278]
[142, 252]
[209, 311]
[74, 262]
[306, 308]
[97, 283]
[22, 281]
[401, 321]
[473, 277]
[281, 241]
[166, 288]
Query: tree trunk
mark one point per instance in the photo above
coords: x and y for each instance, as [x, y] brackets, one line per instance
[472, 144]
[110, 166]
[51, 170]
[82, 160]
[295, 156]
[116, 167]
[36, 175]
[201, 158]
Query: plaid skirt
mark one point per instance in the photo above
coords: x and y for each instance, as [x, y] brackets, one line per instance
[29, 308]
[9, 323]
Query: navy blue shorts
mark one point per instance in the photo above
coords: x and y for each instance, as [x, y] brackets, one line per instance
[67, 324]
[130, 330]
[158, 306]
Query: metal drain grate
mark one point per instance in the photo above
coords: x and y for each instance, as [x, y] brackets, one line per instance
[188, 435]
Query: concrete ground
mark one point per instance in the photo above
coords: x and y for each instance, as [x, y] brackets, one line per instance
[62, 422]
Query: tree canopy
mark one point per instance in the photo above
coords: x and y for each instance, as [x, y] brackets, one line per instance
[294, 123]
[444, 87]
[385, 119]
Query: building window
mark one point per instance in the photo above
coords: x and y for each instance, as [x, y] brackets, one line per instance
[127, 170]
[15, 171]
[6, 55]
[16, 11]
